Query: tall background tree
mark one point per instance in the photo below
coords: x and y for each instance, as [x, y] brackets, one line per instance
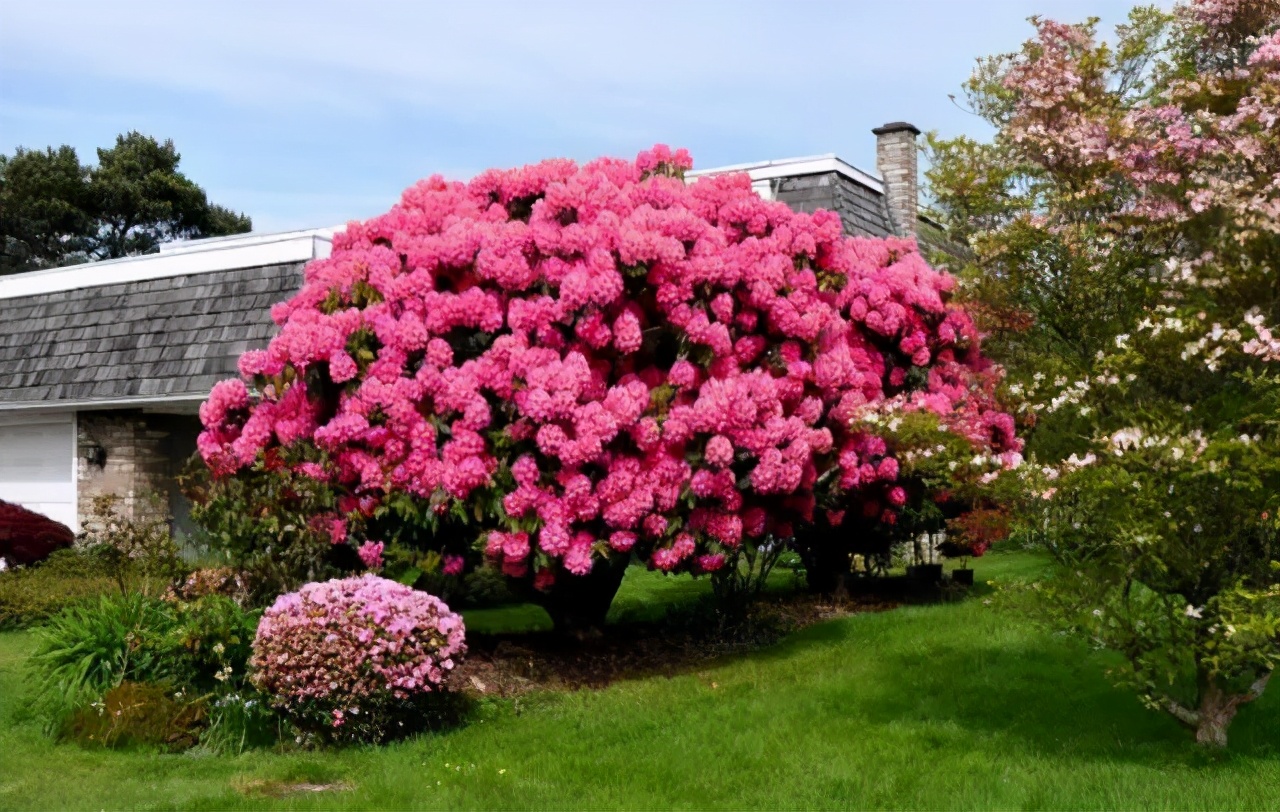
[56, 211]
[1125, 221]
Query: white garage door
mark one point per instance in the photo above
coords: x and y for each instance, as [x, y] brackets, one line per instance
[37, 465]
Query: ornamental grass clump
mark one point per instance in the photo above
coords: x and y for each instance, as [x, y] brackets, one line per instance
[358, 659]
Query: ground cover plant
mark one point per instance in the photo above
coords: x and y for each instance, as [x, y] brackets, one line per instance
[1126, 226]
[949, 705]
[560, 368]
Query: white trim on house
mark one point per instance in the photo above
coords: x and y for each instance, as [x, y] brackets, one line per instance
[37, 406]
[196, 256]
[237, 240]
[793, 167]
[75, 473]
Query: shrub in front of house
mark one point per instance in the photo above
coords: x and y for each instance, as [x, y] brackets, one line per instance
[127, 647]
[563, 368]
[27, 538]
[360, 659]
[119, 551]
[31, 595]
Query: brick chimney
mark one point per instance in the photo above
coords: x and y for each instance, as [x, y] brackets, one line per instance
[896, 160]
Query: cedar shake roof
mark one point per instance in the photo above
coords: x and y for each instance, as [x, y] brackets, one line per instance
[155, 338]
[861, 209]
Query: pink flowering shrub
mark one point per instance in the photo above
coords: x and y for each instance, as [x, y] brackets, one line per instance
[1129, 206]
[355, 659]
[561, 365]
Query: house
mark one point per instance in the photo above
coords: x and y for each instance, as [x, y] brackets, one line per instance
[103, 366]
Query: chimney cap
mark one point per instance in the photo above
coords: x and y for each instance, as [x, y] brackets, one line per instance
[895, 127]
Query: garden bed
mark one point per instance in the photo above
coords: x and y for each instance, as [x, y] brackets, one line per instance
[512, 664]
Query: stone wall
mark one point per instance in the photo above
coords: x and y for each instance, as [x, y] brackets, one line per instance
[140, 458]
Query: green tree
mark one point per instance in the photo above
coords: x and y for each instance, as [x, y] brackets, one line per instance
[44, 209]
[55, 211]
[1125, 225]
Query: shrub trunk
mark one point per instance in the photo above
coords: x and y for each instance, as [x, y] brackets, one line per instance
[578, 604]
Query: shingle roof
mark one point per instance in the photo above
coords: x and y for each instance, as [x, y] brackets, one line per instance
[158, 338]
[861, 209]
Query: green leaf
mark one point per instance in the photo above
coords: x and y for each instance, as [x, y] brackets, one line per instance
[409, 577]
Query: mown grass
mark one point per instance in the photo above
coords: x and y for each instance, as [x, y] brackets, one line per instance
[953, 705]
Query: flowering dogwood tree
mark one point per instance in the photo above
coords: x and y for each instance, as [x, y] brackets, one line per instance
[560, 367]
[1126, 225]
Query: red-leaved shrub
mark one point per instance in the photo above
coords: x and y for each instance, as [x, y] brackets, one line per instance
[27, 537]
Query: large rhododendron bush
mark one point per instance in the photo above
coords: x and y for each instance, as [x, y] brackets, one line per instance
[560, 367]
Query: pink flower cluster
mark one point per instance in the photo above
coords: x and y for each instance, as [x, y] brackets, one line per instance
[350, 644]
[1182, 157]
[624, 361]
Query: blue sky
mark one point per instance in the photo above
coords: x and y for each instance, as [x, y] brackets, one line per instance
[313, 113]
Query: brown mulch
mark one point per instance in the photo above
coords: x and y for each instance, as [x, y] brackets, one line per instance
[510, 665]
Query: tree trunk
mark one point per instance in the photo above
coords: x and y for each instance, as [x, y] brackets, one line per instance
[1217, 709]
[1215, 715]
[824, 573]
[578, 604]
[826, 562]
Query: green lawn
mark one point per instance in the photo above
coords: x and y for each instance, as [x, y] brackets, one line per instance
[957, 705]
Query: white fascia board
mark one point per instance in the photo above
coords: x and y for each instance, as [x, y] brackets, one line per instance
[37, 406]
[54, 412]
[271, 250]
[794, 167]
[236, 240]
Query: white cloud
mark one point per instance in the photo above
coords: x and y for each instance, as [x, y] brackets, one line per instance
[290, 95]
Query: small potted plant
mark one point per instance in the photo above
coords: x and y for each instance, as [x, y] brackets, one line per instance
[973, 534]
[927, 568]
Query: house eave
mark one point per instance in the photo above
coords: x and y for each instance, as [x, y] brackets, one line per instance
[795, 167]
[186, 402]
[243, 251]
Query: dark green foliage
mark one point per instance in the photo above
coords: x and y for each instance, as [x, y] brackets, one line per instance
[211, 642]
[56, 211]
[264, 524]
[45, 209]
[68, 577]
[198, 652]
[485, 587]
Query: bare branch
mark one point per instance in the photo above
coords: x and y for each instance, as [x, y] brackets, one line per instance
[1188, 717]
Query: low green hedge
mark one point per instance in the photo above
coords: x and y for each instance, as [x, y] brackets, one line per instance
[32, 595]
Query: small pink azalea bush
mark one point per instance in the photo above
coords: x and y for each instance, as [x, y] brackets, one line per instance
[354, 659]
[585, 363]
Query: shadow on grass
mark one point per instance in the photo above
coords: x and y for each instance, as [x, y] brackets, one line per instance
[1049, 694]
